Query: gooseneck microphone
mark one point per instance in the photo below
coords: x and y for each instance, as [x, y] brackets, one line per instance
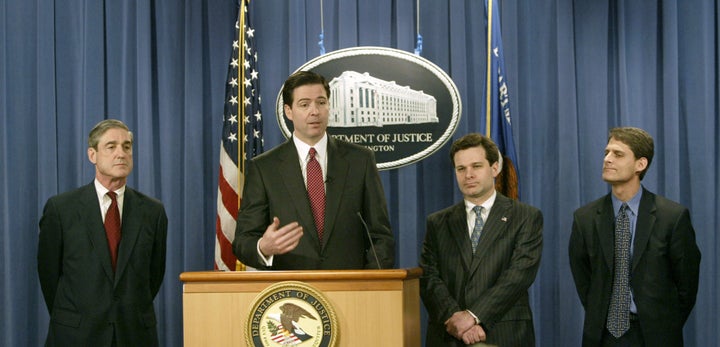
[372, 244]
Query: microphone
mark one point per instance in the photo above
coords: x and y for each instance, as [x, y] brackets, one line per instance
[372, 244]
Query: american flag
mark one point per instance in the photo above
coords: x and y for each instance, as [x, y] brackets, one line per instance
[242, 136]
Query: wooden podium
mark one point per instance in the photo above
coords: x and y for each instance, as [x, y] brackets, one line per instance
[373, 307]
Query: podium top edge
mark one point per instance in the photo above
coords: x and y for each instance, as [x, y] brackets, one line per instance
[300, 275]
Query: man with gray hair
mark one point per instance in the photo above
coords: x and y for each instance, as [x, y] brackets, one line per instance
[101, 252]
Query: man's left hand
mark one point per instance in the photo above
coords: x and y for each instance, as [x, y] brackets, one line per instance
[459, 323]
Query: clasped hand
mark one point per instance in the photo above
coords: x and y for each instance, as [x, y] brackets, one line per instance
[462, 326]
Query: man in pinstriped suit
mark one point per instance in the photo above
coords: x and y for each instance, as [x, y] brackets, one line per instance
[482, 295]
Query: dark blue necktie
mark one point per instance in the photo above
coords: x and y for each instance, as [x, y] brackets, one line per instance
[618, 320]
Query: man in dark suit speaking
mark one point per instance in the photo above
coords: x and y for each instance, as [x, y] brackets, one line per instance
[305, 202]
[479, 257]
[101, 252]
[633, 254]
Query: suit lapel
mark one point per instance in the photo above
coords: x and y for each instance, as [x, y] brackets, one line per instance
[605, 227]
[644, 225]
[91, 214]
[292, 178]
[459, 233]
[131, 225]
[337, 169]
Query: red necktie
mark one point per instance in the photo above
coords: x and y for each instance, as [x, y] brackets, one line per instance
[112, 227]
[316, 193]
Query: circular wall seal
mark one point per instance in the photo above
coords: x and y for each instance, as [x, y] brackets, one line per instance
[398, 104]
[291, 313]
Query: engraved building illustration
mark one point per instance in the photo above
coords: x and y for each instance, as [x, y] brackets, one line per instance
[362, 100]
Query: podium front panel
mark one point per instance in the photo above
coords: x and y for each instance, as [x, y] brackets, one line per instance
[373, 307]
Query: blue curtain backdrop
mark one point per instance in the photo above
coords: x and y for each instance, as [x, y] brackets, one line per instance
[575, 69]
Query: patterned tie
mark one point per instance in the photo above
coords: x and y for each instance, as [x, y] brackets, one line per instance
[112, 227]
[618, 321]
[477, 229]
[316, 193]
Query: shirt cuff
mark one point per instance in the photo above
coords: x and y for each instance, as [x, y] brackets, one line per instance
[477, 321]
[267, 261]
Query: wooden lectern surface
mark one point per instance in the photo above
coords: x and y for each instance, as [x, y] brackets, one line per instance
[373, 307]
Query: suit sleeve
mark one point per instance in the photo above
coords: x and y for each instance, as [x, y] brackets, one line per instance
[50, 251]
[685, 258]
[518, 277]
[434, 292]
[579, 261]
[253, 218]
[157, 265]
[375, 209]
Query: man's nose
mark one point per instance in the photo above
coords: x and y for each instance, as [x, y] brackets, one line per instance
[314, 108]
[120, 152]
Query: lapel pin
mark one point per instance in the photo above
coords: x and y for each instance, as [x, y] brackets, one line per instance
[504, 219]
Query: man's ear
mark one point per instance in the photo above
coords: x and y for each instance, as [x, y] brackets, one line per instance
[91, 154]
[288, 112]
[495, 169]
[641, 164]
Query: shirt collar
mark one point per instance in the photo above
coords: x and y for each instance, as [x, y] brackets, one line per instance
[303, 148]
[633, 203]
[487, 205]
[101, 190]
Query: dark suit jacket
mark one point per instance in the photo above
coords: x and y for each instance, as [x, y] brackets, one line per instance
[274, 187]
[86, 300]
[493, 282]
[664, 269]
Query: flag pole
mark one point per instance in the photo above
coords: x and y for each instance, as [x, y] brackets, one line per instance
[488, 104]
[239, 266]
[241, 93]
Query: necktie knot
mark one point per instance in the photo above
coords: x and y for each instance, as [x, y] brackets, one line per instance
[112, 195]
[478, 211]
[312, 153]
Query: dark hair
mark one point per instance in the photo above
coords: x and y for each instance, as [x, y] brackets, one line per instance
[299, 79]
[639, 141]
[475, 140]
[100, 128]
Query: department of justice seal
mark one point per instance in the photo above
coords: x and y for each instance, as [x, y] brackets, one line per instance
[398, 104]
[291, 313]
